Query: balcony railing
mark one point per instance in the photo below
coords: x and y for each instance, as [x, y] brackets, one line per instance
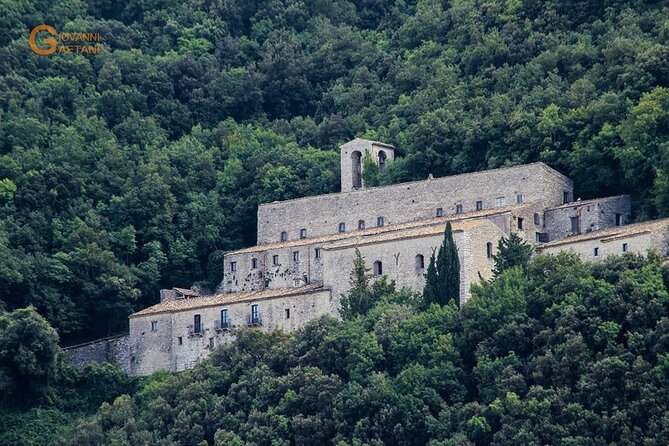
[193, 332]
[223, 325]
[253, 320]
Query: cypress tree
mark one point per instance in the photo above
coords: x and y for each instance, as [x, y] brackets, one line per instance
[442, 281]
[431, 289]
[450, 268]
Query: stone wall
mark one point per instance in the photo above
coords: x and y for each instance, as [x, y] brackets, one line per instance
[398, 258]
[636, 238]
[418, 200]
[592, 215]
[114, 350]
[173, 348]
[268, 275]
[362, 146]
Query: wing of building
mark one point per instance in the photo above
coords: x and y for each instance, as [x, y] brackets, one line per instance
[301, 265]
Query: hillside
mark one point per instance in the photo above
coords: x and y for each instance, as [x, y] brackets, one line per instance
[569, 353]
[135, 169]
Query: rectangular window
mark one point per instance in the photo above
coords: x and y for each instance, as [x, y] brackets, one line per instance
[224, 318]
[479, 205]
[197, 323]
[565, 197]
[520, 223]
[233, 266]
[380, 221]
[619, 219]
[624, 247]
[595, 252]
[458, 209]
[317, 253]
[180, 340]
[211, 343]
[287, 313]
[254, 263]
[303, 233]
[541, 237]
[154, 325]
[275, 259]
[361, 224]
[500, 201]
[537, 219]
[575, 225]
[519, 198]
[440, 212]
[488, 247]
[296, 256]
[255, 314]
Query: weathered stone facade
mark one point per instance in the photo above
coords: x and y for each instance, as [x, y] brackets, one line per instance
[167, 336]
[587, 216]
[352, 155]
[301, 266]
[596, 245]
[418, 200]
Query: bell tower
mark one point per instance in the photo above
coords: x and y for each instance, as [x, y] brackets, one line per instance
[352, 155]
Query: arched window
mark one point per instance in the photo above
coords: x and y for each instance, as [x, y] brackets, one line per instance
[284, 236]
[382, 160]
[420, 262]
[361, 224]
[342, 227]
[378, 268]
[488, 247]
[356, 161]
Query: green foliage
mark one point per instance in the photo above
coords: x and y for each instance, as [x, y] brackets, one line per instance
[360, 298]
[555, 355]
[29, 356]
[197, 112]
[370, 171]
[442, 280]
[511, 252]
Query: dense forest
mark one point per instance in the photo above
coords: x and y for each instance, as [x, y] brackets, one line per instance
[136, 169]
[552, 352]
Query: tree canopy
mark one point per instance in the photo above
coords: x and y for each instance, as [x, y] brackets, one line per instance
[559, 354]
[135, 169]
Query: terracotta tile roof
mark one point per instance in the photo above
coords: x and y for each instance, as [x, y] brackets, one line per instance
[610, 234]
[586, 202]
[176, 305]
[381, 229]
[422, 231]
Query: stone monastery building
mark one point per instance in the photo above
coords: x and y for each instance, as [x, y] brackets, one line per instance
[302, 262]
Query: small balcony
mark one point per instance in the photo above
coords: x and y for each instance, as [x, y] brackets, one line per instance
[195, 331]
[222, 325]
[253, 320]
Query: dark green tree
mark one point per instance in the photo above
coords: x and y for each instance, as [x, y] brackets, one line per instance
[442, 281]
[29, 356]
[512, 251]
[359, 299]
